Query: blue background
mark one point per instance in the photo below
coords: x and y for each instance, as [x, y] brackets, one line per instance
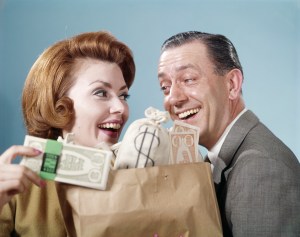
[266, 34]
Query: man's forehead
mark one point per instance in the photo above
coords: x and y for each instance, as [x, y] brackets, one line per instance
[173, 69]
[179, 59]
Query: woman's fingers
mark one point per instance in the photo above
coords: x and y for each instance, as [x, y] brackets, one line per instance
[15, 178]
[34, 178]
[12, 186]
[19, 172]
[14, 151]
[9, 171]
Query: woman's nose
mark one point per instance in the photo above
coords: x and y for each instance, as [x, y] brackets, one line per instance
[118, 105]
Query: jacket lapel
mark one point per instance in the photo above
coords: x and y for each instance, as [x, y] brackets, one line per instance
[232, 143]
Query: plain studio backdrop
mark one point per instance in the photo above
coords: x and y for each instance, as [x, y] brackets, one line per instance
[266, 34]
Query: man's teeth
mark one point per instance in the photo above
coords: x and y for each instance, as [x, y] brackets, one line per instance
[187, 113]
[110, 125]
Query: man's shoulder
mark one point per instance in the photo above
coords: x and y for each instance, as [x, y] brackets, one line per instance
[259, 141]
[256, 143]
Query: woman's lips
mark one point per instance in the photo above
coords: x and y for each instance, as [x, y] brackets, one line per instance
[111, 132]
[111, 128]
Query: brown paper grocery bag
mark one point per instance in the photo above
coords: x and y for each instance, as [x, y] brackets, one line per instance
[162, 201]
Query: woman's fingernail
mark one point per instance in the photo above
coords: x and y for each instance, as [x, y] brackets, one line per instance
[37, 151]
[42, 183]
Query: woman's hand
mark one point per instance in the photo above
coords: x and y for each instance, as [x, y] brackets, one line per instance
[15, 178]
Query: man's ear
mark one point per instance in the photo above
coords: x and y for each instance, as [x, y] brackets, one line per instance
[235, 81]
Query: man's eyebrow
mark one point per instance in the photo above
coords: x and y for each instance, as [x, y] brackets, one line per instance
[161, 74]
[179, 68]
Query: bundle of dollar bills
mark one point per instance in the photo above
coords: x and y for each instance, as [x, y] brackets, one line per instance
[184, 143]
[69, 163]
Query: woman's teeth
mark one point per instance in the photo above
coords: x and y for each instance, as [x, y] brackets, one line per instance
[110, 125]
[188, 113]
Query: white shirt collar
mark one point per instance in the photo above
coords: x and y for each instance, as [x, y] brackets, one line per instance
[214, 151]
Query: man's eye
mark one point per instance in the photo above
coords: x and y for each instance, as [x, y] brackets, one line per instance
[188, 80]
[100, 93]
[165, 89]
[124, 96]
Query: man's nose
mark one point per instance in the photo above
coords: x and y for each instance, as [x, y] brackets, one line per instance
[177, 95]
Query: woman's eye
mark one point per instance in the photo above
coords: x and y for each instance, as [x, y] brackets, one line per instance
[100, 93]
[124, 96]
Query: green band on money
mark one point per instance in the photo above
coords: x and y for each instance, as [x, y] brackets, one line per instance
[50, 159]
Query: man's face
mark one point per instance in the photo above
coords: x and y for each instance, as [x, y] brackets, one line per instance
[193, 92]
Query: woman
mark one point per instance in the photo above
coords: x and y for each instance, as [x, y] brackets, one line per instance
[79, 85]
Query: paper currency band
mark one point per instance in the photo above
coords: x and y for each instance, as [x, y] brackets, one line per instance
[50, 159]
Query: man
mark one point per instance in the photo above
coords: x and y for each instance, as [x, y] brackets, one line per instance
[257, 177]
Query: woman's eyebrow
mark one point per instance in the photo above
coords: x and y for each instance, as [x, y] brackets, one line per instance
[106, 84]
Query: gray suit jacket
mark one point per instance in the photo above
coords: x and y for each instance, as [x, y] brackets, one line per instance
[257, 182]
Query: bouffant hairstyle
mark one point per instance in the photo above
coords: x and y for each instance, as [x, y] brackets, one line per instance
[46, 108]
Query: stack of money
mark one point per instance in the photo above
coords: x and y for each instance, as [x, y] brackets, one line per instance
[68, 163]
[184, 143]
